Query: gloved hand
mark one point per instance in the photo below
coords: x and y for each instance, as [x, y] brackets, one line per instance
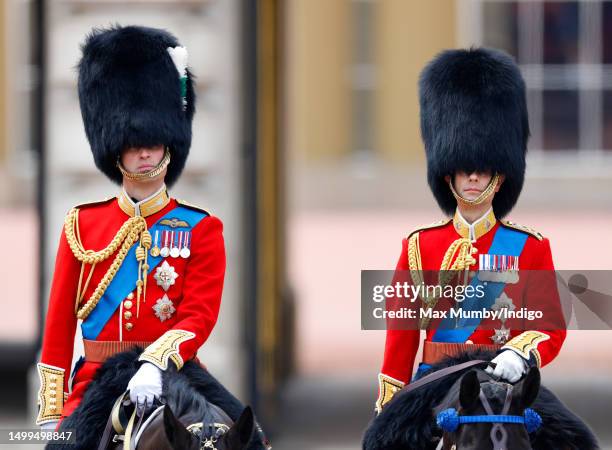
[510, 366]
[145, 385]
[49, 426]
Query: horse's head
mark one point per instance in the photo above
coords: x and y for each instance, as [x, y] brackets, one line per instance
[207, 435]
[480, 413]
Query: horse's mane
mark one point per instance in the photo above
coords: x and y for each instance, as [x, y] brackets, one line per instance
[184, 400]
[111, 380]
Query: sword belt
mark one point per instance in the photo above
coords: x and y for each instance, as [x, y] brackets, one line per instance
[434, 352]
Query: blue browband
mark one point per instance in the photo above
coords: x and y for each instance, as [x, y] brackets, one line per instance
[449, 419]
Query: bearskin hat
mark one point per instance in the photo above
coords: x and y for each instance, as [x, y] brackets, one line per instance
[132, 93]
[474, 118]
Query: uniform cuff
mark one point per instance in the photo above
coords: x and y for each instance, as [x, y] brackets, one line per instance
[526, 345]
[387, 388]
[51, 393]
[166, 348]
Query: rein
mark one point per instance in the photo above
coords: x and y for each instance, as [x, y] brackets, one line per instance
[441, 373]
[117, 429]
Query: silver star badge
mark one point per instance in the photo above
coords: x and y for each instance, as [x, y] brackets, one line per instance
[165, 275]
[501, 336]
[164, 308]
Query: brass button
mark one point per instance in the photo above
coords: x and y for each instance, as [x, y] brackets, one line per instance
[130, 295]
[129, 326]
[127, 304]
[52, 392]
[127, 315]
[53, 400]
[52, 407]
[52, 385]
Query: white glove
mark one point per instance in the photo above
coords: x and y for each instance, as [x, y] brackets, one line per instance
[510, 366]
[49, 426]
[145, 385]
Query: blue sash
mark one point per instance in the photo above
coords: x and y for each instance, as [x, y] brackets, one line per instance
[505, 242]
[124, 281]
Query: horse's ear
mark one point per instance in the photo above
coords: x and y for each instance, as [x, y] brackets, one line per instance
[530, 387]
[470, 388]
[177, 434]
[240, 433]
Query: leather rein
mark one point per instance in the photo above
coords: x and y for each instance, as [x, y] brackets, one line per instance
[117, 429]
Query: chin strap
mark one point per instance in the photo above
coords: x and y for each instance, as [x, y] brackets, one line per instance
[146, 175]
[484, 195]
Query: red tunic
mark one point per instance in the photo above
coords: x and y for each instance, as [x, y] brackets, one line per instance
[195, 296]
[401, 346]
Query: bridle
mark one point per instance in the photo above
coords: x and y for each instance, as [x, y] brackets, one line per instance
[209, 433]
[120, 427]
[449, 419]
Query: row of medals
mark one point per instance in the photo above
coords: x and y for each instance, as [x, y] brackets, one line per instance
[182, 250]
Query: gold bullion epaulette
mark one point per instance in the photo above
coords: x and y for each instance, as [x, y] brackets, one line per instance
[96, 202]
[439, 223]
[186, 204]
[523, 228]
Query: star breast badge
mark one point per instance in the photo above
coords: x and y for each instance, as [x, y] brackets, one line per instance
[165, 275]
[164, 308]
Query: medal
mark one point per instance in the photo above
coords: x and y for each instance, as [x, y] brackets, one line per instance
[501, 335]
[165, 275]
[165, 251]
[185, 252]
[174, 251]
[164, 308]
[155, 251]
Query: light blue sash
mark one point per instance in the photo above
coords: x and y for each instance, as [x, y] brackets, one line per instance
[125, 279]
[505, 242]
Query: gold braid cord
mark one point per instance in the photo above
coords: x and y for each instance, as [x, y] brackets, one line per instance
[483, 195]
[458, 257]
[134, 229]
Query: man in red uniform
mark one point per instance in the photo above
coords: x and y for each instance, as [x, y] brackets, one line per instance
[139, 269]
[475, 129]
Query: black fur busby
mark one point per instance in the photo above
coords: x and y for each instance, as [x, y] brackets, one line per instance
[130, 95]
[474, 118]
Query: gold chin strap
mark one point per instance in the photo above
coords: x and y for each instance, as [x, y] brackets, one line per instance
[483, 195]
[146, 175]
[133, 229]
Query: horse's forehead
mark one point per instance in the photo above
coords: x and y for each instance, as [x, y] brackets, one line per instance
[218, 414]
[495, 390]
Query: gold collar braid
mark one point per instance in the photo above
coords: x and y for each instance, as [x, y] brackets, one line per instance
[133, 229]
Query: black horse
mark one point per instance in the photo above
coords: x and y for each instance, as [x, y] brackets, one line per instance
[408, 422]
[187, 421]
[192, 389]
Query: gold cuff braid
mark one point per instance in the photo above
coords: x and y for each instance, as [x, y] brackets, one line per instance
[51, 393]
[526, 344]
[166, 348]
[387, 388]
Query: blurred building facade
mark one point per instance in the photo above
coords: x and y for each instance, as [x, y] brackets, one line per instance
[352, 100]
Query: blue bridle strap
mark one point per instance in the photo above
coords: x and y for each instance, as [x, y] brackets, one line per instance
[492, 419]
[449, 419]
